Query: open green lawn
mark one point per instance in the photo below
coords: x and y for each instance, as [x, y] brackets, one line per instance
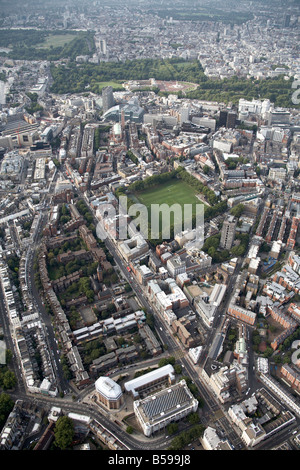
[56, 40]
[172, 192]
[114, 85]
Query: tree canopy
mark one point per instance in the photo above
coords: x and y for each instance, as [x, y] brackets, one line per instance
[30, 44]
[74, 78]
[64, 432]
[6, 405]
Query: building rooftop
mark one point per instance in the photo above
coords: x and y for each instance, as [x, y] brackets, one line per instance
[165, 402]
[150, 377]
[108, 388]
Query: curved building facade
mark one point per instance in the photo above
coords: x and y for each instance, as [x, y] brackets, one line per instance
[109, 393]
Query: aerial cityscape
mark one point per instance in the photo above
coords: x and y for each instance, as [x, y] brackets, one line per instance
[150, 227]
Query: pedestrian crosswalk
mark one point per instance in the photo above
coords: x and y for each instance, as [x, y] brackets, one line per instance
[178, 353]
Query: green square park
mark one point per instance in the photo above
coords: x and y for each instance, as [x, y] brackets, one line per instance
[171, 192]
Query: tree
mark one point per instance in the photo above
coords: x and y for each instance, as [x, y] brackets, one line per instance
[268, 352]
[177, 443]
[178, 368]
[6, 405]
[9, 380]
[172, 428]
[9, 356]
[64, 432]
[129, 429]
[212, 252]
[150, 320]
[237, 210]
[127, 287]
[193, 418]
[166, 360]
[206, 169]
[137, 338]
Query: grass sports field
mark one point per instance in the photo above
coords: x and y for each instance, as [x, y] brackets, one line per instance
[172, 192]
